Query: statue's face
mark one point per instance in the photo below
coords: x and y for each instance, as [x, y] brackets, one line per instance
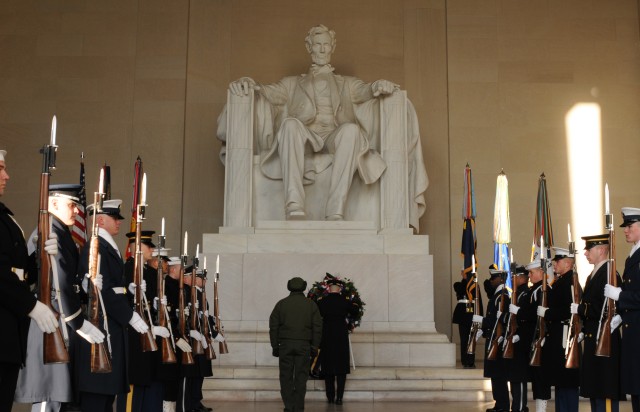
[321, 49]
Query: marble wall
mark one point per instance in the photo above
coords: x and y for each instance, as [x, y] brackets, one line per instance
[491, 82]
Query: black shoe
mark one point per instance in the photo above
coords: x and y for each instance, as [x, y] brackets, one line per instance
[525, 409]
[338, 401]
[330, 400]
[494, 409]
[469, 366]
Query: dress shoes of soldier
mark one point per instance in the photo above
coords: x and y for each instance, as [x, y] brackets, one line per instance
[494, 409]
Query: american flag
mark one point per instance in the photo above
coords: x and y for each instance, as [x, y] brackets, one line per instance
[79, 231]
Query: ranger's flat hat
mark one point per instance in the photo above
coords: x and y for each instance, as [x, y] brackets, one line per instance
[520, 270]
[145, 237]
[164, 254]
[591, 241]
[110, 207]
[3, 153]
[174, 260]
[630, 215]
[561, 253]
[533, 265]
[67, 191]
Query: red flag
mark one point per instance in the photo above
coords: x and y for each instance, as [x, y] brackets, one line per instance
[79, 230]
[135, 199]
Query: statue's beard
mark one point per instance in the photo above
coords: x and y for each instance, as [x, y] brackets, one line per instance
[321, 60]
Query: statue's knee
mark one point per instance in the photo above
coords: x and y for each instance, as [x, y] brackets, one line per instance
[349, 135]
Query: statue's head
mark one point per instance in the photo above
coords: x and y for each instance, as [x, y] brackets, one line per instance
[320, 42]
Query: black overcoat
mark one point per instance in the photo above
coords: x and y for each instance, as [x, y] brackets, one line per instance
[629, 308]
[334, 346]
[518, 367]
[599, 376]
[494, 368]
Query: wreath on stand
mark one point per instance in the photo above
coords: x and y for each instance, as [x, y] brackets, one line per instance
[318, 291]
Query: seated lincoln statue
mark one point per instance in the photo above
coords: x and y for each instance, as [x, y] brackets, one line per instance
[305, 124]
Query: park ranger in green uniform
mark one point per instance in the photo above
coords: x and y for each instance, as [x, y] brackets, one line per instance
[295, 330]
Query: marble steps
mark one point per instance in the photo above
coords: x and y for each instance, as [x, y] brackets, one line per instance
[377, 384]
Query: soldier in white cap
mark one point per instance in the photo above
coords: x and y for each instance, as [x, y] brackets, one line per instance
[17, 304]
[628, 304]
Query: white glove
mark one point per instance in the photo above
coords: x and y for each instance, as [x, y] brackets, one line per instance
[478, 334]
[542, 343]
[219, 338]
[615, 322]
[580, 337]
[514, 309]
[44, 317]
[204, 342]
[90, 333]
[97, 281]
[183, 345]
[51, 244]
[500, 339]
[161, 331]
[612, 292]
[515, 339]
[143, 286]
[196, 335]
[163, 301]
[498, 314]
[197, 305]
[206, 313]
[574, 308]
[477, 318]
[138, 324]
[541, 310]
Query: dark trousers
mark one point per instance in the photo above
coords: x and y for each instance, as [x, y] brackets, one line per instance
[170, 393]
[567, 399]
[600, 405]
[8, 381]
[518, 396]
[539, 386]
[294, 362]
[330, 382]
[500, 391]
[635, 403]
[96, 402]
[466, 359]
[189, 394]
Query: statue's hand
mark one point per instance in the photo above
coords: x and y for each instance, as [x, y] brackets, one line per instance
[243, 86]
[383, 87]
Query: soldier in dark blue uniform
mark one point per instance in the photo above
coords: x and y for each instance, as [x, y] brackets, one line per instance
[465, 290]
[17, 303]
[599, 375]
[628, 306]
[558, 316]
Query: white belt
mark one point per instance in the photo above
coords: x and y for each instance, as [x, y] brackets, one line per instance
[464, 301]
[72, 317]
[19, 272]
[120, 291]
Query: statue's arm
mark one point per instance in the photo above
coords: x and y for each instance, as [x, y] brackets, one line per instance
[362, 92]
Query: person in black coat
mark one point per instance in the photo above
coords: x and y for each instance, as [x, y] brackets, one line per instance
[17, 303]
[334, 346]
[599, 375]
[628, 305]
[465, 290]
[558, 316]
[494, 369]
[98, 390]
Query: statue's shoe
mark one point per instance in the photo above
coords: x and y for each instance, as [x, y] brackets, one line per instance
[296, 215]
[334, 218]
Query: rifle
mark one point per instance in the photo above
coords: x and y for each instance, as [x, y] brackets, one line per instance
[100, 361]
[54, 346]
[603, 339]
[497, 333]
[168, 353]
[206, 328]
[140, 305]
[573, 351]
[196, 345]
[540, 332]
[222, 348]
[187, 357]
[513, 319]
[471, 342]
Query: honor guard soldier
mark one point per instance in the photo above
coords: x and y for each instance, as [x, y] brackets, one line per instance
[98, 390]
[527, 318]
[465, 290]
[558, 316]
[518, 366]
[628, 305]
[17, 303]
[599, 375]
[494, 369]
[47, 386]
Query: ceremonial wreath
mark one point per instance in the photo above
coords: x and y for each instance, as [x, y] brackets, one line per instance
[320, 289]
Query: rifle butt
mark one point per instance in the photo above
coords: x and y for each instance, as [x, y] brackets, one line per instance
[100, 362]
[536, 354]
[493, 351]
[210, 352]
[603, 347]
[168, 355]
[508, 349]
[471, 342]
[223, 348]
[54, 348]
[148, 342]
[196, 347]
[187, 358]
[574, 355]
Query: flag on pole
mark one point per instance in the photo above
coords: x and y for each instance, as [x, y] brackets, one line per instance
[79, 230]
[135, 199]
[469, 241]
[107, 181]
[543, 228]
[502, 229]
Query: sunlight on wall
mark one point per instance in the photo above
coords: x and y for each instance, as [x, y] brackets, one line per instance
[584, 154]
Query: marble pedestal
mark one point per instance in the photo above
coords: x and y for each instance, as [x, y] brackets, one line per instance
[393, 273]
